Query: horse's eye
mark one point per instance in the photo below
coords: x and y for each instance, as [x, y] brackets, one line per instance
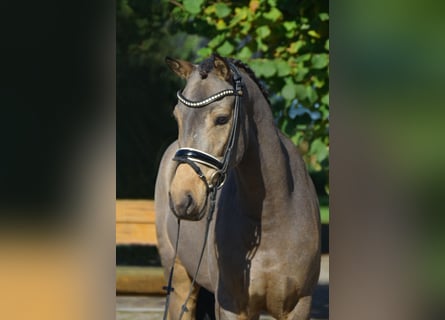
[221, 120]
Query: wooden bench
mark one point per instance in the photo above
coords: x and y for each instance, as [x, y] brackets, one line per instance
[135, 225]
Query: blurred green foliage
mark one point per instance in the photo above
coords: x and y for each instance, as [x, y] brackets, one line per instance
[286, 43]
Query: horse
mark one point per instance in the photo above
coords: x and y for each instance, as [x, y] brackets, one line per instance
[232, 164]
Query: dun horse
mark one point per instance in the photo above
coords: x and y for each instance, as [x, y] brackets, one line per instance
[233, 178]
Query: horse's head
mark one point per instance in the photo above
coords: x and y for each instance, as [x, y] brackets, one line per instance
[210, 121]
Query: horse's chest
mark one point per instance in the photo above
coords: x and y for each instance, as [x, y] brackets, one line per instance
[253, 268]
[257, 289]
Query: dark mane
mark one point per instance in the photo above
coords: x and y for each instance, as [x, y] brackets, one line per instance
[242, 65]
[206, 66]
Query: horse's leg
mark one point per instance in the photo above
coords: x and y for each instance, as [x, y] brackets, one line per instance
[181, 284]
[302, 310]
[222, 314]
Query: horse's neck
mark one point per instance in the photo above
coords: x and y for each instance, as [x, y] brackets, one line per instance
[262, 172]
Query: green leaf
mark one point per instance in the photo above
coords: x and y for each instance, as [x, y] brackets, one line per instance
[240, 14]
[319, 149]
[326, 46]
[295, 46]
[263, 32]
[279, 51]
[264, 68]
[125, 9]
[311, 94]
[313, 34]
[216, 41]
[263, 47]
[193, 6]
[274, 14]
[297, 137]
[323, 16]
[245, 53]
[301, 73]
[288, 92]
[209, 10]
[221, 24]
[226, 48]
[204, 52]
[246, 25]
[222, 10]
[268, 68]
[303, 57]
[320, 60]
[300, 91]
[283, 68]
[325, 99]
[324, 214]
[324, 109]
[317, 82]
[290, 25]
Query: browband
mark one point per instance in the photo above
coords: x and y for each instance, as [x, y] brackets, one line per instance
[206, 101]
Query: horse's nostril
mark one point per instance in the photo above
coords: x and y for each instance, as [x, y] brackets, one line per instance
[190, 203]
[189, 199]
[184, 206]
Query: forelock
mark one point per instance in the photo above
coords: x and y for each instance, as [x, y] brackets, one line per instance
[205, 67]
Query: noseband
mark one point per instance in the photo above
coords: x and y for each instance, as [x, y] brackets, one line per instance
[192, 156]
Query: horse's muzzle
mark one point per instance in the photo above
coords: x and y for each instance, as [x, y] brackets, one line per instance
[185, 207]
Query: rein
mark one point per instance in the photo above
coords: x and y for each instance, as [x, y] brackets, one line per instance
[191, 157]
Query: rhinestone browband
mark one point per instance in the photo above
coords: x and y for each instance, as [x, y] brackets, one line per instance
[206, 101]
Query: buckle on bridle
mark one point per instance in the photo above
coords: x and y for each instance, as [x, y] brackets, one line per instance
[217, 180]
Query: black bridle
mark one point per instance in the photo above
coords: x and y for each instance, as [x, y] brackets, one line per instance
[192, 157]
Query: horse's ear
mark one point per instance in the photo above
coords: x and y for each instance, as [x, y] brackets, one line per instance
[221, 67]
[180, 67]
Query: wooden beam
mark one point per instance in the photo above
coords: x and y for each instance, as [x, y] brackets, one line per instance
[142, 280]
[135, 222]
[141, 211]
